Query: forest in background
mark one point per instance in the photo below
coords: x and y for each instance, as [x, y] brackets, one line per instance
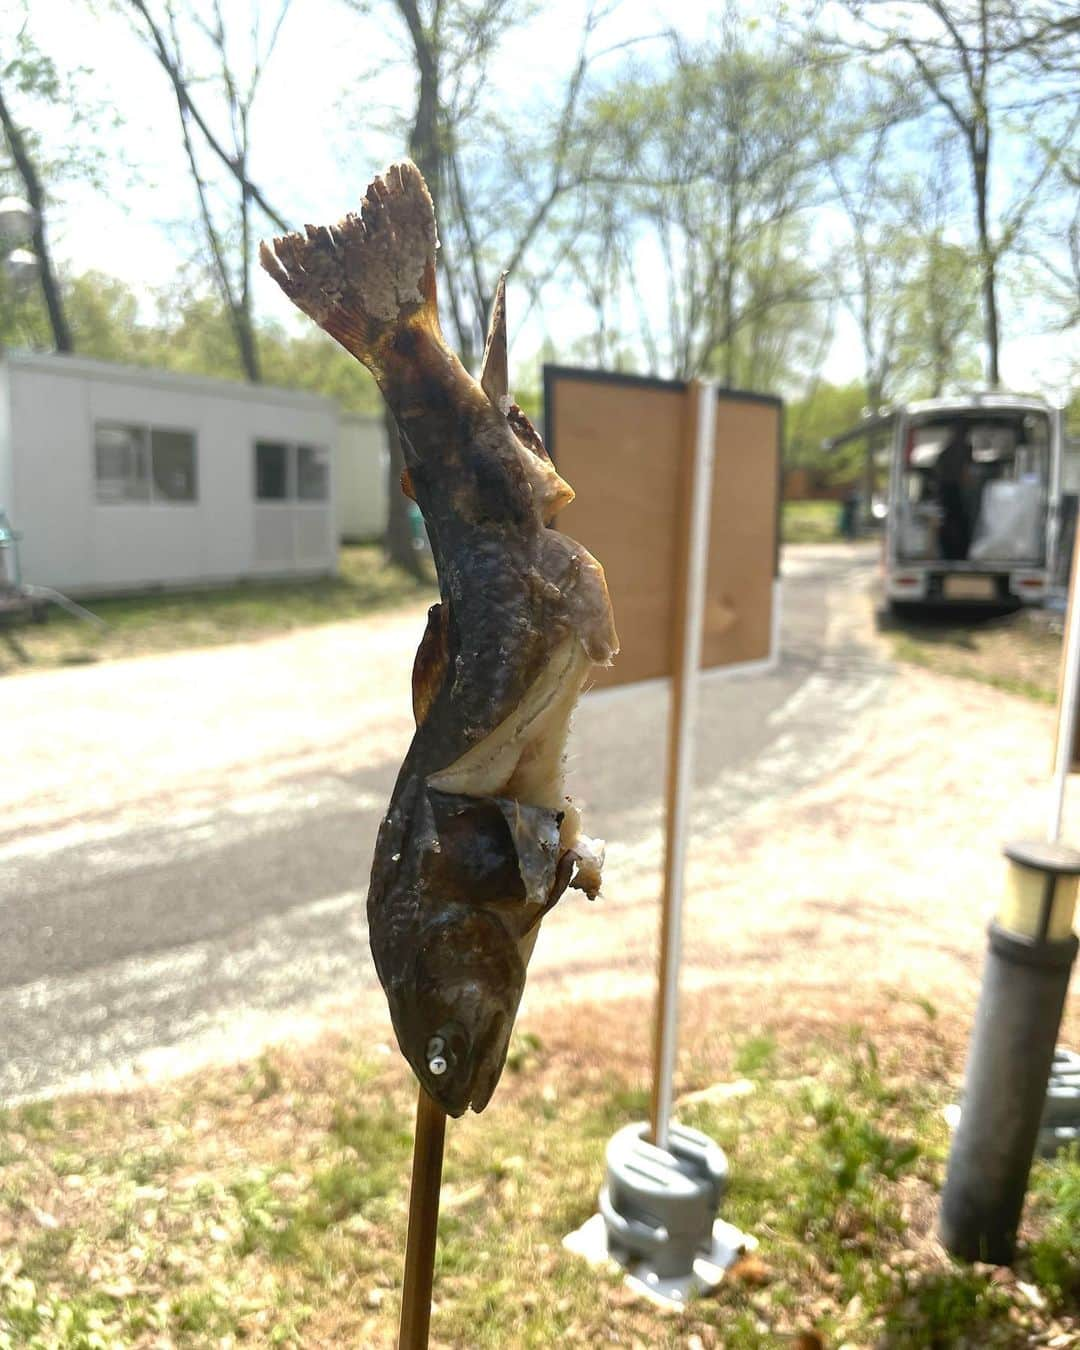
[713, 202]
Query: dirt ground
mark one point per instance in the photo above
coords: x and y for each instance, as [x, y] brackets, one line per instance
[844, 857]
[870, 886]
[845, 850]
[1020, 652]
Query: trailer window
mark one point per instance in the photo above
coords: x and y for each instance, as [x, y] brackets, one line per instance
[121, 461]
[136, 463]
[271, 471]
[312, 473]
[172, 460]
[285, 472]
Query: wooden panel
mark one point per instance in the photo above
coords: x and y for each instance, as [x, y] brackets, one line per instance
[742, 544]
[1071, 617]
[622, 444]
[621, 448]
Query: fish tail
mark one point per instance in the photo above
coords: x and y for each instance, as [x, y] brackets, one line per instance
[370, 275]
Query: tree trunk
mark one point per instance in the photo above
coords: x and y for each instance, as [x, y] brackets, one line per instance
[980, 164]
[939, 340]
[993, 376]
[245, 323]
[237, 307]
[940, 365]
[729, 278]
[247, 343]
[49, 285]
[427, 155]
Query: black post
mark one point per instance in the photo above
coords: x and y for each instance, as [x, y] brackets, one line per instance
[1028, 964]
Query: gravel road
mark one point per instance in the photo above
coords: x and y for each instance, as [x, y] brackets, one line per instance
[185, 838]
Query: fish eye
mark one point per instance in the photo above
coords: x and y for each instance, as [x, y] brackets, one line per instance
[445, 1050]
[438, 1059]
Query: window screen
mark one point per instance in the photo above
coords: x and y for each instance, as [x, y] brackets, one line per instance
[312, 473]
[121, 463]
[271, 471]
[172, 455]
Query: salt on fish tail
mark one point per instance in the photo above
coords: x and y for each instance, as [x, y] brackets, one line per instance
[372, 274]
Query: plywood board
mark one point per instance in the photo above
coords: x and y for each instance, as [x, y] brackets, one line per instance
[1071, 617]
[624, 444]
[742, 544]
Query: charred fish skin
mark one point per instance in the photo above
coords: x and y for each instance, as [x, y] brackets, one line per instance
[479, 840]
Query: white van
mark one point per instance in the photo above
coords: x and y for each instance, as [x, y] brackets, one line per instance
[969, 490]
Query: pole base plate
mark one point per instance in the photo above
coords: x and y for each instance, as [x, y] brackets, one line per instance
[728, 1244]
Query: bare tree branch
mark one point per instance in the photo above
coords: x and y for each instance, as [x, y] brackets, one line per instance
[169, 61]
[35, 195]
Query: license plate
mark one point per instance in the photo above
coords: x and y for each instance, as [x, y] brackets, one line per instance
[969, 588]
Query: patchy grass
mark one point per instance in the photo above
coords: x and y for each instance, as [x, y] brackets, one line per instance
[1020, 653]
[267, 1204]
[810, 522]
[1055, 1253]
[169, 620]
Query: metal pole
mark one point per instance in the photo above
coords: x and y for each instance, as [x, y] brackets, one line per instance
[423, 1225]
[688, 628]
[1031, 953]
[1025, 981]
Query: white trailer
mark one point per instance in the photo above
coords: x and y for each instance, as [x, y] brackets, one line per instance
[362, 492]
[119, 478]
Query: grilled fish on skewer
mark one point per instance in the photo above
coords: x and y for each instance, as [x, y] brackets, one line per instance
[479, 840]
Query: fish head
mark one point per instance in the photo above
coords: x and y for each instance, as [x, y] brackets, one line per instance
[454, 1023]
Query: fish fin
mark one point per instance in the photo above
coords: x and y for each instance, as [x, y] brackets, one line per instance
[578, 867]
[364, 278]
[495, 373]
[563, 873]
[553, 492]
[431, 661]
[526, 433]
[493, 849]
[407, 485]
[535, 834]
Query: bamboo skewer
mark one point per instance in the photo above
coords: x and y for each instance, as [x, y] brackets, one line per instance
[423, 1224]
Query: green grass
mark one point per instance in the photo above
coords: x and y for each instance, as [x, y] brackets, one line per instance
[1017, 653]
[1055, 1255]
[277, 1216]
[810, 522]
[755, 1056]
[169, 620]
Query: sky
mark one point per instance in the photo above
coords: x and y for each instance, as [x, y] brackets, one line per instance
[320, 131]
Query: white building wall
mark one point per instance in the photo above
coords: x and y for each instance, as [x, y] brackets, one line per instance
[302, 535]
[362, 488]
[53, 475]
[7, 467]
[136, 543]
[78, 544]
[1070, 467]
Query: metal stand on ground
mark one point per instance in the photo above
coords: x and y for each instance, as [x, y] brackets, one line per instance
[664, 1182]
[1031, 953]
[423, 1224]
